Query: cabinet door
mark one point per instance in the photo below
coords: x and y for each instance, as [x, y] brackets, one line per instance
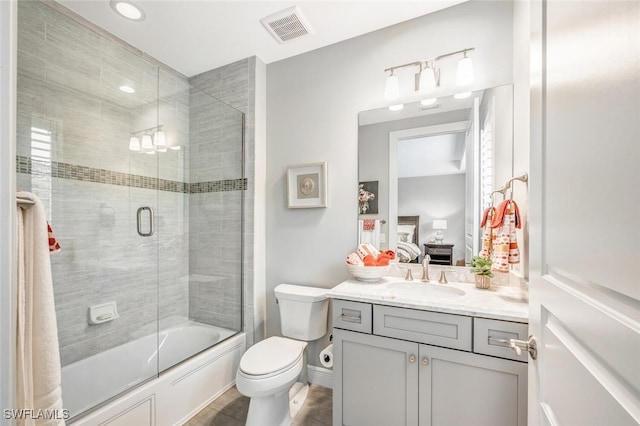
[375, 380]
[462, 388]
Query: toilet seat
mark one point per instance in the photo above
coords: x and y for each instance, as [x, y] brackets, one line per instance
[271, 357]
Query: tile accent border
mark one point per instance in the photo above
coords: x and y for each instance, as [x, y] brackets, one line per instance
[60, 170]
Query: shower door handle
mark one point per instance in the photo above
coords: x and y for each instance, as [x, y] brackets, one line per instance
[139, 224]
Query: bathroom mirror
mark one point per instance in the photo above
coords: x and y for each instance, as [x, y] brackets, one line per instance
[438, 162]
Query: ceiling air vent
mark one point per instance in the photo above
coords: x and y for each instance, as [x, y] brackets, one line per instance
[287, 24]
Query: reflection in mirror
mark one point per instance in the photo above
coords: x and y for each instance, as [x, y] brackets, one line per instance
[438, 163]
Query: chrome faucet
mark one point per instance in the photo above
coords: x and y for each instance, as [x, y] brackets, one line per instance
[425, 268]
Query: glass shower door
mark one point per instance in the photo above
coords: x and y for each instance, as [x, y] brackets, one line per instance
[81, 98]
[200, 221]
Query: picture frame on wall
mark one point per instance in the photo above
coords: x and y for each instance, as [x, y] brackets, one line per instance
[368, 197]
[307, 186]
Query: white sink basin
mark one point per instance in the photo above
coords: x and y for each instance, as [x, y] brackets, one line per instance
[419, 289]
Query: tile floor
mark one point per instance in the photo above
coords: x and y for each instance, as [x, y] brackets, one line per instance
[230, 409]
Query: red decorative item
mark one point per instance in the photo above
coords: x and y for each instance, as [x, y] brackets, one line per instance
[54, 247]
[368, 224]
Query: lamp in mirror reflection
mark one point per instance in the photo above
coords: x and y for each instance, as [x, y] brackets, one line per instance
[439, 225]
[427, 79]
[150, 141]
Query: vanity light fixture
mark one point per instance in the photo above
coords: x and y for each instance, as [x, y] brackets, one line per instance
[464, 74]
[160, 140]
[128, 9]
[392, 88]
[147, 143]
[134, 143]
[462, 95]
[427, 79]
[150, 140]
[428, 82]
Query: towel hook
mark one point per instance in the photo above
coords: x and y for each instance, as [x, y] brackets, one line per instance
[498, 191]
[524, 177]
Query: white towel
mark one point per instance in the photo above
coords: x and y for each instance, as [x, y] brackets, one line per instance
[371, 237]
[38, 373]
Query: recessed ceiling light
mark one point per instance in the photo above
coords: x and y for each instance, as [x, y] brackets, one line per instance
[128, 9]
[396, 107]
[127, 89]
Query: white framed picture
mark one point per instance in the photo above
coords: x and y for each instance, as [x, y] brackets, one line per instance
[307, 185]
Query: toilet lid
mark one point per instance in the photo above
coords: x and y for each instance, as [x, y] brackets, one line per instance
[271, 355]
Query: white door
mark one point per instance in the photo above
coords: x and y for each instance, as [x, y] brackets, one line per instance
[585, 213]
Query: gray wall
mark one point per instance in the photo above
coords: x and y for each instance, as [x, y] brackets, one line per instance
[313, 101]
[436, 197]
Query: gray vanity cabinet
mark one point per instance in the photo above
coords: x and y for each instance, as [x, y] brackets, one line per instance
[387, 379]
[462, 388]
[379, 384]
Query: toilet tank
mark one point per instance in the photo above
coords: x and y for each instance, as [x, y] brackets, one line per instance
[303, 311]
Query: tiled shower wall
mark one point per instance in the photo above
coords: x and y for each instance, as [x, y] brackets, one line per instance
[233, 84]
[91, 184]
[215, 217]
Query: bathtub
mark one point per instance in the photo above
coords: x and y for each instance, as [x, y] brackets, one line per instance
[91, 381]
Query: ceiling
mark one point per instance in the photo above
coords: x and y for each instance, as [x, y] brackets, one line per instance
[432, 156]
[197, 36]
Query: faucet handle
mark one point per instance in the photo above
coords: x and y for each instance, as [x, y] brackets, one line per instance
[408, 277]
[443, 277]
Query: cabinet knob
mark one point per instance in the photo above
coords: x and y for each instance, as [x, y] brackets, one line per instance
[425, 361]
[412, 359]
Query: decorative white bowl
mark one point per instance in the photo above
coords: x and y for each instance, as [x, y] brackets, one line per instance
[370, 274]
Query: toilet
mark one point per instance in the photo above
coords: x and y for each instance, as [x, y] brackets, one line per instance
[273, 372]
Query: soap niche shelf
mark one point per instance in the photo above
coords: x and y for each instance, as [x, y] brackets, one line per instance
[102, 313]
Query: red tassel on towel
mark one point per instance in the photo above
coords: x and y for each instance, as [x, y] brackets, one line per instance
[54, 247]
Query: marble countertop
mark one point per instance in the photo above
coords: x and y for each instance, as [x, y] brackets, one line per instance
[498, 302]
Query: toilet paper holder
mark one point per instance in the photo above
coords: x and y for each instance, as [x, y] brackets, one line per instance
[326, 356]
